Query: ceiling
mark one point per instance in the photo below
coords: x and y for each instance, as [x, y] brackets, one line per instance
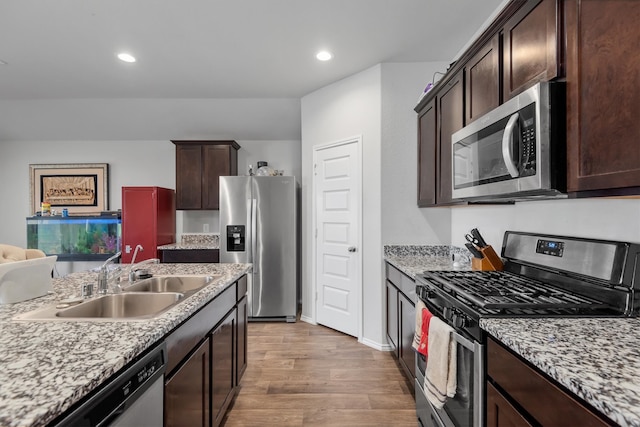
[213, 49]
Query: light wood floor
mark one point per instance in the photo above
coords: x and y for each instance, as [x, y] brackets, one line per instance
[304, 375]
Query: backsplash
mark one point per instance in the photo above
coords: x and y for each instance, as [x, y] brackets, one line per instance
[195, 239]
[427, 250]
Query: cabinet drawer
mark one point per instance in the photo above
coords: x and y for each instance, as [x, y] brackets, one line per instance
[406, 285]
[545, 401]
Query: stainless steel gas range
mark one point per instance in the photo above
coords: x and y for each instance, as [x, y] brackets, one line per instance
[544, 276]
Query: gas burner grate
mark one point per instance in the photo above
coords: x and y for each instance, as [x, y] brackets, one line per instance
[499, 290]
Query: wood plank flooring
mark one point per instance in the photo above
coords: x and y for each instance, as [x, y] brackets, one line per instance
[304, 375]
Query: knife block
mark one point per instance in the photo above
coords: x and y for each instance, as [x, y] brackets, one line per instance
[490, 261]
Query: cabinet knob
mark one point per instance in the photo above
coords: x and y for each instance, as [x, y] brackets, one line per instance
[352, 249]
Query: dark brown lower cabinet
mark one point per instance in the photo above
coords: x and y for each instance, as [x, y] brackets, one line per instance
[222, 367]
[392, 317]
[187, 391]
[407, 316]
[527, 396]
[207, 355]
[401, 318]
[242, 314]
[501, 413]
[189, 255]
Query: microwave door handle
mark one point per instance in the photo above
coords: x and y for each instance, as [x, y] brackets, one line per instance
[507, 139]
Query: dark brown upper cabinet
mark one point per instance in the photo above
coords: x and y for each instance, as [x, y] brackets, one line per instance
[530, 46]
[602, 96]
[587, 42]
[451, 120]
[427, 154]
[482, 81]
[199, 166]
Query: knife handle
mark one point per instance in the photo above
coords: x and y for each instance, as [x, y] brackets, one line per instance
[474, 251]
[481, 242]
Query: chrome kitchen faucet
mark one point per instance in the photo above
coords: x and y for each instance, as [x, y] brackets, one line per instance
[104, 278]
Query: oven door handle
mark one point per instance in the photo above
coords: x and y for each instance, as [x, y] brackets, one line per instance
[507, 141]
[463, 341]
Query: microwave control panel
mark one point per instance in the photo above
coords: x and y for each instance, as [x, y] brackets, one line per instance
[528, 140]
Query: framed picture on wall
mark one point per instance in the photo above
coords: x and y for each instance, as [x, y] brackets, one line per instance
[82, 188]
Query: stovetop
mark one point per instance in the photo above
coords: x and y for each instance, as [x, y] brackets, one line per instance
[505, 293]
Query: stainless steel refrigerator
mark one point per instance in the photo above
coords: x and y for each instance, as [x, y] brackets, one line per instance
[259, 225]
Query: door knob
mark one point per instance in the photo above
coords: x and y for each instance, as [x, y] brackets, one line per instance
[352, 249]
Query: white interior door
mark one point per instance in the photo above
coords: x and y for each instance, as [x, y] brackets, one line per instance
[338, 262]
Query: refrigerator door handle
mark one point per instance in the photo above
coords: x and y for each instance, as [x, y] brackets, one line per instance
[254, 237]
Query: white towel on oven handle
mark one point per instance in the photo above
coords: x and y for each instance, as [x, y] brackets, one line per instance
[441, 374]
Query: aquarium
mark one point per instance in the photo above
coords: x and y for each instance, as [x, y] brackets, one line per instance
[85, 238]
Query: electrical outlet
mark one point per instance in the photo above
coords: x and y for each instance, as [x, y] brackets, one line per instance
[205, 228]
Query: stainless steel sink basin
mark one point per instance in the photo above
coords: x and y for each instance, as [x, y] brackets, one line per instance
[181, 284]
[123, 306]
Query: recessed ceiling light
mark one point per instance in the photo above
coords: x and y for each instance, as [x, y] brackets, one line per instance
[126, 57]
[324, 55]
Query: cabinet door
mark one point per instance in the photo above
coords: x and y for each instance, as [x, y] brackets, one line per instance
[407, 319]
[602, 95]
[500, 413]
[482, 81]
[186, 393]
[241, 339]
[392, 317]
[216, 164]
[222, 367]
[188, 176]
[427, 155]
[530, 46]
[199, 166]
[451, 118]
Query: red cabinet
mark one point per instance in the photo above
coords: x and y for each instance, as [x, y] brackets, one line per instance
[148, 219]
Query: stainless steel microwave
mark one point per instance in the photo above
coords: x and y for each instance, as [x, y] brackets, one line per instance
[516, 151]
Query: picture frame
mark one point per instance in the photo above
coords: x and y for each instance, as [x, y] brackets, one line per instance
[81, 188]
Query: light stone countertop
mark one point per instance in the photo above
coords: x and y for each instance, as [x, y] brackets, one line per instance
[48, 366]
[598, 359]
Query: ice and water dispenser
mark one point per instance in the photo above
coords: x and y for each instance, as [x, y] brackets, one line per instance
[235, 238]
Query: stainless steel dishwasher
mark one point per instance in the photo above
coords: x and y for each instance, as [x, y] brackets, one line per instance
[134, 398]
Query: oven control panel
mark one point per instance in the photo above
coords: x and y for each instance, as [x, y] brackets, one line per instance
[550, 247]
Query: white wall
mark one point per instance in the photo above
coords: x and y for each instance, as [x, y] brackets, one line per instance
[131, 163]
[345, 109]
[612, 219]
[402, 221]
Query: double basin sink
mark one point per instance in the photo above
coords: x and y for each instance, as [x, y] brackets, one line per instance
[144, 299]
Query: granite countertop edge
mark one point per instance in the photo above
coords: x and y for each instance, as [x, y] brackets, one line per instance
[577, 353]
[50, 366]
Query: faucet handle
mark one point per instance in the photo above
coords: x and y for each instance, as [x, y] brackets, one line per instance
[86, 290]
